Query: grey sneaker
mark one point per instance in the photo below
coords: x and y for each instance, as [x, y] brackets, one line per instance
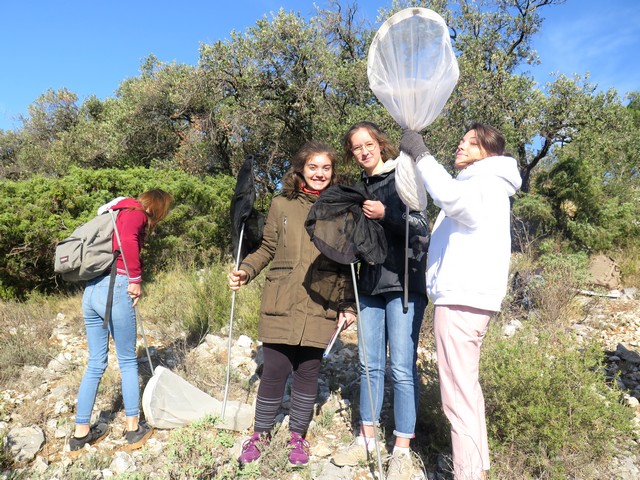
[405, 467]
[356, 454]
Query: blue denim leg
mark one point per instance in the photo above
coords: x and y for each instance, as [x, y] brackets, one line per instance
[123, 330]
[403, 330]
[372, 338]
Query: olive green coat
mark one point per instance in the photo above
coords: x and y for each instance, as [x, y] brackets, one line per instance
[304, 290]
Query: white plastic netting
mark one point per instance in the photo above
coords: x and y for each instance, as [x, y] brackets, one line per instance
[169, 401]
[412, 70]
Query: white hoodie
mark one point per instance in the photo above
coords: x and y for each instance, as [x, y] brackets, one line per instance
[468, 259]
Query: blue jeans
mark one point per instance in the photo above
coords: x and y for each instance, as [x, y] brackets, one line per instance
[384, 322]
[122, 328]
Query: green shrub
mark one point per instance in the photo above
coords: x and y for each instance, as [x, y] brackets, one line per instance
[547, 403]
[431, 423]
[592, 207]
[533, 218]
[628, 258]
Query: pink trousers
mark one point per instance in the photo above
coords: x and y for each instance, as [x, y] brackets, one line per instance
[459, 331]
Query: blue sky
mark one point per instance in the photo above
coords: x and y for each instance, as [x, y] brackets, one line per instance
[90, 47]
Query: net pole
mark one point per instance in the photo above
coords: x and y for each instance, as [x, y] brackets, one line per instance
[233, 304]
[366, 371]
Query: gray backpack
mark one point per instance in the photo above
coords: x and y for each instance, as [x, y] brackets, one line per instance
[87, 252]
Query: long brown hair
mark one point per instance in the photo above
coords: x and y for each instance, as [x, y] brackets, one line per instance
[156, 204]
[490, 139]
[293, 181]
[387, 149]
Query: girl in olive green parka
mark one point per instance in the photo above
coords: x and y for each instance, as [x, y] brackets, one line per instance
[305, 295]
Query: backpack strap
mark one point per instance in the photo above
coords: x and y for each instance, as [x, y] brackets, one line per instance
[112, 281]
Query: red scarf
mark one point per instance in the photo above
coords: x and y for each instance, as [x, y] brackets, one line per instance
[312, 192]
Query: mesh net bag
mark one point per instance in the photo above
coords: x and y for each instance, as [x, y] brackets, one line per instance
[412, 70]
[169, 401]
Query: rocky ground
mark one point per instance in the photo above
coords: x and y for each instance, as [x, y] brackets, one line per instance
[36, 417]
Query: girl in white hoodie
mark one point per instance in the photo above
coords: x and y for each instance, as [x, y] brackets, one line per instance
[467, 272]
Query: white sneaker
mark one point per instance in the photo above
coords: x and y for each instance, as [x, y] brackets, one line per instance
[405, 467]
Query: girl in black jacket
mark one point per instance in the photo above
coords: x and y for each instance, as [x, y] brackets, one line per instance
[380, 289]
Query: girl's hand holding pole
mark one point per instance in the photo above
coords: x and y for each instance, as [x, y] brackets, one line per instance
[345, 319]
[236, 279]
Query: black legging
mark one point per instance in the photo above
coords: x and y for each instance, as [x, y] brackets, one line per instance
[279, 361]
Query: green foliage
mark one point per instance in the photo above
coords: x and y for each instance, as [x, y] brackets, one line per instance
[211, 303]
[5, 461]
[284, 81]
[548, 402]
[431, 420]
[588, 212]
[634, 107]
[628, 259]
[532, 218]
[199, 451]
[37, 212]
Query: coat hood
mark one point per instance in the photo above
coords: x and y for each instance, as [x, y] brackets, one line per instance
[498, 166]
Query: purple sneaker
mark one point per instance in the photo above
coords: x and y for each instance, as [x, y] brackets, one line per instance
[252, 448]
[299, 454]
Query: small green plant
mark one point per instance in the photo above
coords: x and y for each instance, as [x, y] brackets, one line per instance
[250, 470]
[86, 463]
[325, 420]
[199, 451]
[275, 459]
[5, 461]
[547, 288]
[212, 298]
[628, 258]
[431, 423]
[548, 404]
[130, 476]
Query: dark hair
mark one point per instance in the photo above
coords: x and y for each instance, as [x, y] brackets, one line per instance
[489, 139]
[294, 179]
[156, 204]
[387, 149]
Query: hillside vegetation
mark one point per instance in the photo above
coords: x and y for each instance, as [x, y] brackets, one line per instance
[558, 407]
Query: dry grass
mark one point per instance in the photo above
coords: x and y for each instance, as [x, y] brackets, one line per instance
[628, 260]
[25, 329]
